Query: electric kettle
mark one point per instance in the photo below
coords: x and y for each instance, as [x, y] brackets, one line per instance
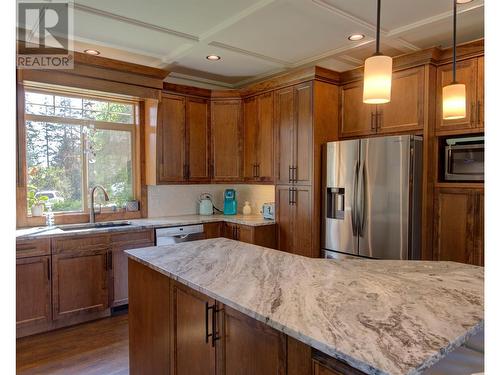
[206, 205]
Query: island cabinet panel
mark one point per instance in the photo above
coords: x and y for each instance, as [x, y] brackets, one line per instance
[249, 347]
[458, 227]
[149, 321]
[471, 73]
[226, 134]
[118, 261]
[191, 324]
[33, 295]
[172, 139]
[198, 140]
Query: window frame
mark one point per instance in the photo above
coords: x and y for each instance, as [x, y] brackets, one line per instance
[63, 217]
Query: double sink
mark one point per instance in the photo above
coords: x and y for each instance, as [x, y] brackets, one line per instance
[102, 225]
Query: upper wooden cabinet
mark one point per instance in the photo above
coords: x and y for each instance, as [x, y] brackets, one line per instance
[183, 136]
[294, 134]
[459, 225]
[471, 73]
[404, 113]
[226, 134]
[258, 145]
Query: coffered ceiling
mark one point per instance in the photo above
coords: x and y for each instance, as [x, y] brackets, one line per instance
[256, 38]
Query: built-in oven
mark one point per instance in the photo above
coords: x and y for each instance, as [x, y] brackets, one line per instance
[464, 159]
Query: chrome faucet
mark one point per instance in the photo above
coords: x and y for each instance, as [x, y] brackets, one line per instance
[92, 194]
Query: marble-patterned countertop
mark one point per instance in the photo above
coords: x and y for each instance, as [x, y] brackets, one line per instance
[136, 224]
[382, 317]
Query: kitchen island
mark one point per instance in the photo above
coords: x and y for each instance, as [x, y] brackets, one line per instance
[378, 317]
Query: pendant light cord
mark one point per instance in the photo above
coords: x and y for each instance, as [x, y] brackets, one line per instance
[454, 41]
[377, 52]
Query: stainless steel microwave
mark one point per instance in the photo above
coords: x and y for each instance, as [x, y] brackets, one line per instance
[464, 159]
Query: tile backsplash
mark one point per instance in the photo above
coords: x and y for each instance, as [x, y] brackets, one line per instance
[171, 200]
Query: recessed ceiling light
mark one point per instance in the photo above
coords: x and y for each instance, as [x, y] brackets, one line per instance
[463, 1]
[355, 37]
[213, 57]
[92, 52]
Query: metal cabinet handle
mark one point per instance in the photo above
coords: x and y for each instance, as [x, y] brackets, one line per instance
[289, 173]
[354, 201]
[106, 262]
[378, 120]
[372, 124]
[214, 335]
[289, 196]
[110, 260]
[479, 122]
[258, 170]
[294, 174]
[472, 115]
[207, 335]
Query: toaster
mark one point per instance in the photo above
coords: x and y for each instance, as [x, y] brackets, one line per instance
[268, 210]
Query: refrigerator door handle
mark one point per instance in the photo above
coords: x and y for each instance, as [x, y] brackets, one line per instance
[362, 200]
[354, 221]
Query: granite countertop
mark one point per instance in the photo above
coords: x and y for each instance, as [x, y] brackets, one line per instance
[146, 223]
[381, 317]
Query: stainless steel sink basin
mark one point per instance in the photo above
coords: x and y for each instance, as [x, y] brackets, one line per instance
[103, 225]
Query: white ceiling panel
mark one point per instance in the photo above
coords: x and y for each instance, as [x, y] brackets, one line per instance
[124, 35]
[290, 30]
[187, 16]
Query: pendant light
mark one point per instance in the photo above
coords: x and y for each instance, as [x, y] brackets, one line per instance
[454, 106]
[378, 73]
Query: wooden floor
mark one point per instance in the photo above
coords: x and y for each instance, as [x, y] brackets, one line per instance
[95, 348]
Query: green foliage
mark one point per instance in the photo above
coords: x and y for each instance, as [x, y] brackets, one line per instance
[33, 200]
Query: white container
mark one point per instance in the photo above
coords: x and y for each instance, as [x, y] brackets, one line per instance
[247, 210]
[37, 209]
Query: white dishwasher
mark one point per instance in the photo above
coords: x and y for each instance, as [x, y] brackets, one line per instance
[173, 235]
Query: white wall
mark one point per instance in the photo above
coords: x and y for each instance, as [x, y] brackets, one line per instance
[170, 200]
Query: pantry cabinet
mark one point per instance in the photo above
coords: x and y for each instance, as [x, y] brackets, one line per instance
[258, 135]
[226, 135]
[471, 73]
[404, 113]
[459, 225]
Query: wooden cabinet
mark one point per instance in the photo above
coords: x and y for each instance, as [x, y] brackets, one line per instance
[118, 261]
[80, 282]
[192, 321]
[250, 347]
[323, 365]
[172, 136]
[471, 73]
[258, 135]
[294, 207]
[264, 235]
[458, 226]
[184, 139]
[33, 294]
[212, 230]
[404, 113]
[226, 134]
[294, 130]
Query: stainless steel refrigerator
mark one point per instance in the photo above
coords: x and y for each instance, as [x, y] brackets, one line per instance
[372, 198]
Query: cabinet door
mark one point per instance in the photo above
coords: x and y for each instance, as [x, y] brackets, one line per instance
[172, 139]
[249, 347]
[284, 218]
[229, 231]
[303, 134]
[193, 351]
[79, 283]
[198, 140]
[454, 225]
[265, 138]
[302, 227]
[284, 144]
[32, 291]
[405, 112]
[358, 118]
[466, 74]
[212, 230]
[480, 93]
[245, 233]
[479, 227]
[226, 138]
[250, 136]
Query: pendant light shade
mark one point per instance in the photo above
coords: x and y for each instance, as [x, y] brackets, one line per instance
[454, 94]
[454, 101]
[378, 80]
[378, 73]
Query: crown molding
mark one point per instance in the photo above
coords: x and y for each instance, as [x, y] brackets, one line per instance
[250, 53]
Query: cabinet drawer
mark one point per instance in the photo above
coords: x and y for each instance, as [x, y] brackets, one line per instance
[80, 243]
[31, 248]
[142, 236]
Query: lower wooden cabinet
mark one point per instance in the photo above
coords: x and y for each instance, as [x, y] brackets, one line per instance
[33, 294]
[459, 225]
[264, 235]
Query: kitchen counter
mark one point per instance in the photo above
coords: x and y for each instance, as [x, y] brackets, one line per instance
[147, 223]
[381, 317]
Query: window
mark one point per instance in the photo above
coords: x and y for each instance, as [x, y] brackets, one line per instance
[75, 142]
